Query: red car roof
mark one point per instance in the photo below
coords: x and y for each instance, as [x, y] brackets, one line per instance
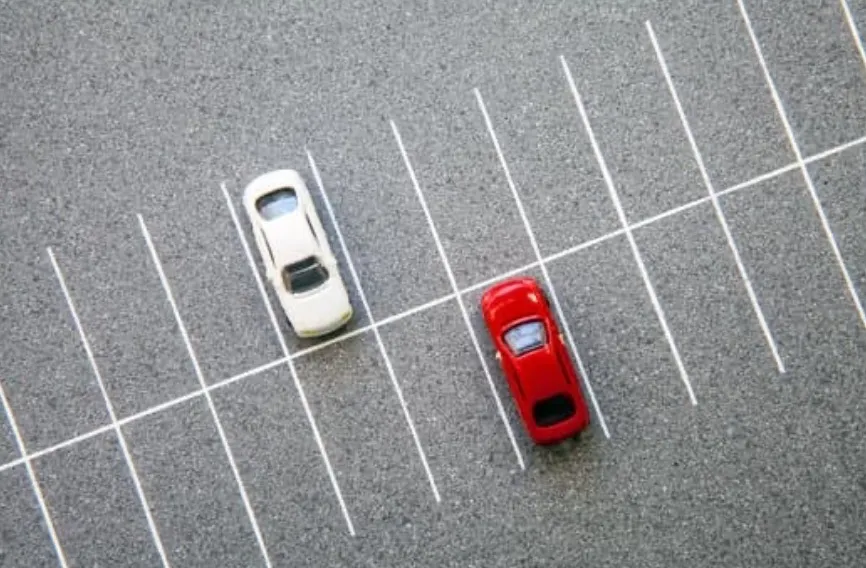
[520, 300]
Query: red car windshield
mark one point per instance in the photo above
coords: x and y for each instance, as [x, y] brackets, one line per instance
[525, 337]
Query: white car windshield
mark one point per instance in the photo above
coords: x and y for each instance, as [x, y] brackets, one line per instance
[525, 337]
[304, 276]
[277, 203]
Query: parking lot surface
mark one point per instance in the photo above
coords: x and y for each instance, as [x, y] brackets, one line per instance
[685, 179]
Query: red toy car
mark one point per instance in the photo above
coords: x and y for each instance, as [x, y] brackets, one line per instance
[535, 361]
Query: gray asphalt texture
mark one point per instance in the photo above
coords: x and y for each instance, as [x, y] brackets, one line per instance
[110, 109]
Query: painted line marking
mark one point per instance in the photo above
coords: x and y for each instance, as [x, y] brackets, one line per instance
[761, 178]
[715, 200]
[255, 371]
[832, 151]
[852, 291]
[463, 311]
[37, 490]
[417, 309]
[14, 463]
[371, 326]
[854, 32]
[391, 374]
[500, 277]
[110, 407]
[668, 213]
[628, 232]
[71, 441]
[246, 501]
[553, 295]
[288, 360]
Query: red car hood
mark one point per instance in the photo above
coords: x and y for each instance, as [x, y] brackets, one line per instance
[504, 307]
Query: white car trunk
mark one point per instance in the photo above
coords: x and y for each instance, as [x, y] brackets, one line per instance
[317, 310]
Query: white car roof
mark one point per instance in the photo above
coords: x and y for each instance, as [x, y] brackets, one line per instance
[290, 238]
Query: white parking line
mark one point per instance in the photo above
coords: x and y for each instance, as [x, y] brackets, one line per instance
[668, 213]
[110, 407]
[250, 373]
[37, 490]
[832, 151]
[553, 295]
[246, 501]
[371, 326]
[416, 309]
[499, 277]
[463, 311]
[805, 171]
[14, 463]
[761, 178]
[421, 308]
[379, 342]
[854, 32]
[716, 205]
[70, 442]
[288, 360]
[628, 232]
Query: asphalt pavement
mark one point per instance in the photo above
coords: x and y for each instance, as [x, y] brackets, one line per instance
[685, 178]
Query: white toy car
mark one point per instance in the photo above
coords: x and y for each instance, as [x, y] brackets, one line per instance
[295, 251]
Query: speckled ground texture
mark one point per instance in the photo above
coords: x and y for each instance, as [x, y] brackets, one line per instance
[112, 109]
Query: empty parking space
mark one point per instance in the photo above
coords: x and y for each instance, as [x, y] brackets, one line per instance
[196, 502]
[456, 167]
[367, 435]
[637, 128]
[839, 184]
[816, 321]
[126, 318]
[96, 512]
[722, 90]
[8, 448]
[381, 220]
[624, 349]
[816, 67]
[838, 180]
[724, 349]
[215, 293]
[45, 374]
[282, 469]
[467, 443]
[549, 155]
[26, 541]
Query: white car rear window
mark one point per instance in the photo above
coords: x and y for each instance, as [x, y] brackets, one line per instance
[304, 276]
[277, 203]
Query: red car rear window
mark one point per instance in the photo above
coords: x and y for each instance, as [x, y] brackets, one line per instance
[553, 410]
